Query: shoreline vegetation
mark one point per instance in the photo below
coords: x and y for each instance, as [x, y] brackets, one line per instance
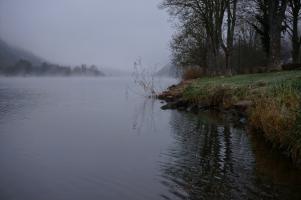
[233, 55]
[270, 102]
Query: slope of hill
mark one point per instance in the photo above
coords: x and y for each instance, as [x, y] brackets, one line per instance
[9, 55]
[169, 70]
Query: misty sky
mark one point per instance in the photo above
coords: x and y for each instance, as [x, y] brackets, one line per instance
[111, 33]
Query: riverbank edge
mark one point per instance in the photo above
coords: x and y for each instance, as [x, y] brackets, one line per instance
[270, 103]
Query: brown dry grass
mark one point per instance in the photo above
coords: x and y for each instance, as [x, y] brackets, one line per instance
[274, 120]
[192, 73]
[274, 114]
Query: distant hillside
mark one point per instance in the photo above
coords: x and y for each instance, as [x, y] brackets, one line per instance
[18, 62]
[9, 55]
[169, 70]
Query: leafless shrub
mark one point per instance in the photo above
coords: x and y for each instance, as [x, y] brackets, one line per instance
[144, 77]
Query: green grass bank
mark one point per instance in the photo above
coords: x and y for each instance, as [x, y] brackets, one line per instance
[270, 101]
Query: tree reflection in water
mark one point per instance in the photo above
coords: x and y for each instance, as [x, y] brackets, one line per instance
[214, 159]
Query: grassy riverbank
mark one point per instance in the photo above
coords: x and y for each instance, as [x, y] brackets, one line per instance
[271, 102]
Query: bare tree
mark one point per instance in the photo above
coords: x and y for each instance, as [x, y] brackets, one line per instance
[211, 14]
[189, 44]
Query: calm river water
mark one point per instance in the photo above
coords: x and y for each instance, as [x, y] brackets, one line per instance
[88, 138]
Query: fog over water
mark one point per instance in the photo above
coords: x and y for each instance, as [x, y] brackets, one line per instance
[110, 33]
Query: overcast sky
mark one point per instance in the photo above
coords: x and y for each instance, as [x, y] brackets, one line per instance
[103, 32]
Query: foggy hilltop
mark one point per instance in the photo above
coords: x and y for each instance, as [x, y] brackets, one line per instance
[18, 62]
[9, 55]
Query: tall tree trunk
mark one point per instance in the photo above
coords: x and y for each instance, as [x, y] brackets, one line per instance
[228, 69]
[276, 10]
[294, 12]
[275, 47]
[295, 41]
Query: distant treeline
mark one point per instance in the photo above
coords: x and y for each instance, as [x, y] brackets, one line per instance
[26, 68]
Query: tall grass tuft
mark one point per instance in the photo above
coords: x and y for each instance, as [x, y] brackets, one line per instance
[276, 113]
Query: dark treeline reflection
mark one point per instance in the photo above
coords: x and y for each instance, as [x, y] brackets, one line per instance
[214, 159]
[26, 68]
